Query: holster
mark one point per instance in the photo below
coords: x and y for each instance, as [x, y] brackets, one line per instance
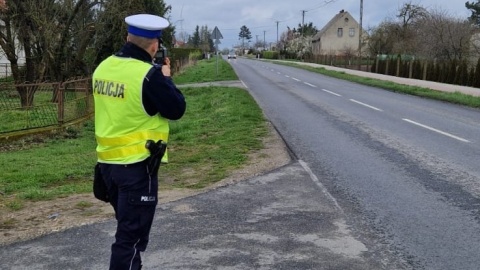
[157, 150]
[100, 190]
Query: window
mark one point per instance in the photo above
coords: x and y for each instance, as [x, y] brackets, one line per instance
[340, 32]
[351, 32]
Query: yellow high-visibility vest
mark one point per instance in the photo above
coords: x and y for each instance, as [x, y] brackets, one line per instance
[122, 126]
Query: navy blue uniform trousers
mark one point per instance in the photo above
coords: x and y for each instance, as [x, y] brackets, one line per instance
[133, 195]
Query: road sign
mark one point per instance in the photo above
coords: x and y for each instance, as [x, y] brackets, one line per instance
[216, 34]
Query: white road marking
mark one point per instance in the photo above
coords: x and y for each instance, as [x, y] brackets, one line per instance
[244, 84]
[287, 76]
[319, 184]
[436, 130]
[366, 105]
[309, 84]
[295, 79]
[330, 92]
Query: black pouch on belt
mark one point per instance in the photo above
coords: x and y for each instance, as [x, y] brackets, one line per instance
[100, 190]
[157, 150]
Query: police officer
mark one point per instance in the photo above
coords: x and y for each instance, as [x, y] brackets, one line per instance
[134, 100]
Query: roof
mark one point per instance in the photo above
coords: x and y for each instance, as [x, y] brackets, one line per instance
[337, 17]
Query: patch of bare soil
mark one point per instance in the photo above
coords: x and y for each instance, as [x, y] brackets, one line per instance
[39, 218]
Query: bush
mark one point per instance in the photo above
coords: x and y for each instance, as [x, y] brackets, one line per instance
[184, 52]
[270, 55]
[183, 55]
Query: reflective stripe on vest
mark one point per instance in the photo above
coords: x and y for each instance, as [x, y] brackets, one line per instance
[137, 136]
[117, 146]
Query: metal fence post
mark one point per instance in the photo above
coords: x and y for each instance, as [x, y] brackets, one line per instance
[59, 87]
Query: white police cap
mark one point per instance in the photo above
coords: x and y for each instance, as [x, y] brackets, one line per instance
[146, 25]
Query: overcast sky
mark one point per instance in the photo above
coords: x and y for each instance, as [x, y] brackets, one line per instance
[261, 16]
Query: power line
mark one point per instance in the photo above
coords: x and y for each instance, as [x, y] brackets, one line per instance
[326, 2]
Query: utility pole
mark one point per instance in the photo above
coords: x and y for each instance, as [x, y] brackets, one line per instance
[360, 32]
[303, 20]
[264, 47]
[277, 30]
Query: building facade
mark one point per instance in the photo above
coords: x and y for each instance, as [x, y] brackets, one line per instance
[5, 69]
[340, 36]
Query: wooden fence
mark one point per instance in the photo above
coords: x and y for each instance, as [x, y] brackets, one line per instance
[451, 72]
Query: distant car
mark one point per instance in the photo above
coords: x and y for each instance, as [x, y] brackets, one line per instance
[232, 55]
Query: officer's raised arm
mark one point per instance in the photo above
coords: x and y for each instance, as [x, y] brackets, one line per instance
[160, 95]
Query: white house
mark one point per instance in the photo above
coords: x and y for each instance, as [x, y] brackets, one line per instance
[340, 36]
[4, 63]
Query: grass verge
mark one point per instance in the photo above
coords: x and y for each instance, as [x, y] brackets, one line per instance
[211, 70]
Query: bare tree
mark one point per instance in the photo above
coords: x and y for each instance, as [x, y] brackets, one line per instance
[381, 39]
[410, 13]
[47, 33]
[430, 34]
[441, 36]
[399, 35]
[407, 30]
[65, 38]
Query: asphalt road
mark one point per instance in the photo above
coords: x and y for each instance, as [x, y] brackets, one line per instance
[284, 219]
[404, 169]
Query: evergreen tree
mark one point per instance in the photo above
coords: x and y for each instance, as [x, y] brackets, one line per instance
[392, 66]
[404, 68]
[477, 75]
[431, 71]
[471, 77]
[475, 9]
[206, 42]
[374, 67]
[307, 29]
[244, 34]
[110, 25]
[442, 72]
[195, 39]
[417, 69]
[451, 72]
[461, 76]
[465, 76]
[382, 66]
